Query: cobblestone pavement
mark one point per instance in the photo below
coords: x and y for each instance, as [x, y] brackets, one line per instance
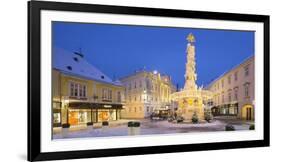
[153, 127]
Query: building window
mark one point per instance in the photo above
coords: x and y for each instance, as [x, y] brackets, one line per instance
[135, 85]
[246, 86]
[130, 86]
[77, 90]
[83, 91]
[222, 83]
[57, 118]
[135, 98]
[229, 79]
[222, 98]
[246, 69]
[229, 96]
[118, 96]
[147, 84]
[140, 109]
[135, 109]
[236, 76]
[80, 90]
[104, 94]
[140, 84]
[110, 94]
[72, 93]
[147, 109]
[236, 94]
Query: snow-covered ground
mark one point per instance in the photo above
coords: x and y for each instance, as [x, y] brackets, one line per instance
[152, 127]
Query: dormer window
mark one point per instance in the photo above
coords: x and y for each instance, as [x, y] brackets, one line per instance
[69, 67]
[102, 77]
[79, 54]
[75, 59]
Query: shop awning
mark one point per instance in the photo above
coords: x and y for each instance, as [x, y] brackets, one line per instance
[87, 105]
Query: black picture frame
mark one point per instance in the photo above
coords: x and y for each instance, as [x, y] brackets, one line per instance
[34, 81]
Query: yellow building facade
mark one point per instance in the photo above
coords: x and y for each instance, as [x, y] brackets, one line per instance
[146, 93]
[79, 98]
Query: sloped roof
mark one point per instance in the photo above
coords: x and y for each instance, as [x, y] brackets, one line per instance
[75, 64]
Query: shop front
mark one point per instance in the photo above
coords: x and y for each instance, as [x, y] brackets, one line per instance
[225, 110]
[56, 114]
[82, 113]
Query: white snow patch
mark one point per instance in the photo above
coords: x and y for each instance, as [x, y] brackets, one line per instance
[74, 64]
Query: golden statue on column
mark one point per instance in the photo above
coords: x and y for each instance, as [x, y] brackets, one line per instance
[190, 100]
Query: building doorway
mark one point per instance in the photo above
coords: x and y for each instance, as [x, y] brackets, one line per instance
[248, 112]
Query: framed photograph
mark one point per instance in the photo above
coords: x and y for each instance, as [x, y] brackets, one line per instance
[115, 80]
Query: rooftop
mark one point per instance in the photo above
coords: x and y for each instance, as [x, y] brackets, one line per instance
[74, 63]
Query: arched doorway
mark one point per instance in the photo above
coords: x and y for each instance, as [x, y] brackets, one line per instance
[248, 112]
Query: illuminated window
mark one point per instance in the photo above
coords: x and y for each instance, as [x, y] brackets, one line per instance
[82, 117]
[56, 118]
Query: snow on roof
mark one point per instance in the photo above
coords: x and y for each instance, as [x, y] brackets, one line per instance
[74, 64]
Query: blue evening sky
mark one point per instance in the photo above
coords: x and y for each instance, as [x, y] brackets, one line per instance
[119, 50]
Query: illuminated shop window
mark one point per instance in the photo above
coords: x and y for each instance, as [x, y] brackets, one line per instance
[57, 118]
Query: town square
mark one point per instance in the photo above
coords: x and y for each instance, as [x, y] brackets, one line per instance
[151, 94]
